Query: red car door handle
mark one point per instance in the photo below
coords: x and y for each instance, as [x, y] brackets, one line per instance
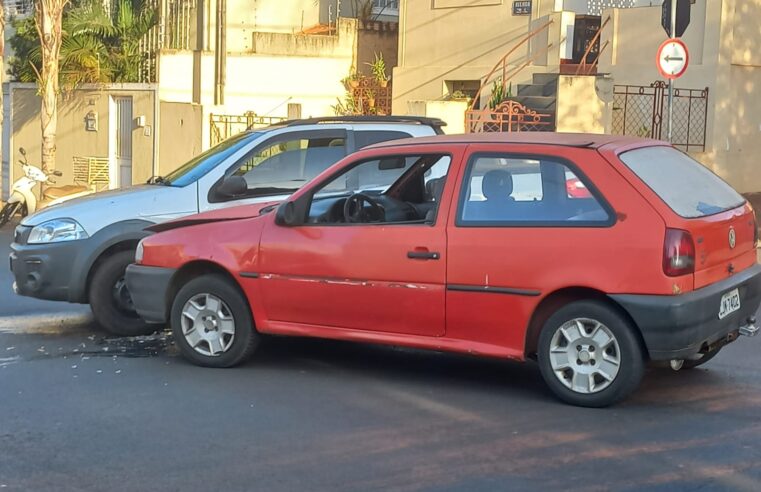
[423, 255]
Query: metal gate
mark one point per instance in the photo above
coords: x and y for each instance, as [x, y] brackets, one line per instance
[224, 126]
[123, 140]
[508, 116]
[643, 111]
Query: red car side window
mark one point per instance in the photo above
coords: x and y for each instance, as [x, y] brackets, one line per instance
[503, 190]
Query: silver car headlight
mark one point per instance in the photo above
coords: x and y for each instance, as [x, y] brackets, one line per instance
[56, 231]
[139, 252]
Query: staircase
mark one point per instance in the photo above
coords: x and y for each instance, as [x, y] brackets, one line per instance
[540, 96]
[532, 108]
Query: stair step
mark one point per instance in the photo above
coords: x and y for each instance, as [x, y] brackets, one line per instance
[536, 90]
[545, 78]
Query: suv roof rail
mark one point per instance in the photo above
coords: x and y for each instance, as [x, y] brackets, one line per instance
[436, 123]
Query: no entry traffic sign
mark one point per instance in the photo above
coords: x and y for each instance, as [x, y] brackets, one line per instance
[673, 58]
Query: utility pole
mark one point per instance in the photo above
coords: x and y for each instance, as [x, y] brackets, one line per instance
[220, 52]
[671, 81]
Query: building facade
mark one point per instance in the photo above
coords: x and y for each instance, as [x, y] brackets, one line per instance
[590, 66]
[216, 67]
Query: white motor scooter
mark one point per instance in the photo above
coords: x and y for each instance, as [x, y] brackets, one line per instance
[23, 201]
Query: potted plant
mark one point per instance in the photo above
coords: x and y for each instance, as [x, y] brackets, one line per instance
[458, 95]
[499, 93]
[354, 80]
[378, 68]
[371, 98]
[347, 107]
[351, 81]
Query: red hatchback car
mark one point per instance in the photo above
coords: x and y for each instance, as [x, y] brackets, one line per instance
[474, 244]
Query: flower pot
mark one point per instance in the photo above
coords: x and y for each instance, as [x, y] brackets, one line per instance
[383, 83]
[371, 102]
[354, 84]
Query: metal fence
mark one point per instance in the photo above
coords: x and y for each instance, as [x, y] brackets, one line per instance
[509, 116]
[176, 24]
[224, 126]
[171, 32]
[643, 111]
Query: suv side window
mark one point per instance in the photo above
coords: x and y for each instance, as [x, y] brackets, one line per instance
[286, 163]
[522, 191]
[363, 138]
[300, 159]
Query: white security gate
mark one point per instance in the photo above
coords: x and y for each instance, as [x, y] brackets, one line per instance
[122, 140]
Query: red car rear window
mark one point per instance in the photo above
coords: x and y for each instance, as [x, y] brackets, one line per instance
[685, 185]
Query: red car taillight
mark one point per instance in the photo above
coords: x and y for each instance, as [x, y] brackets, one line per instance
[678, 253]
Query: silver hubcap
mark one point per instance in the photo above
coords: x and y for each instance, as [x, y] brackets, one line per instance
[585, 356]
[208, 325]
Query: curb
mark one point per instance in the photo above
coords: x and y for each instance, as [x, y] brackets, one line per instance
[45, 324]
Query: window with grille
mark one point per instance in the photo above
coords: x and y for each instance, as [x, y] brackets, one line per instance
[18, 8]
[386, 7]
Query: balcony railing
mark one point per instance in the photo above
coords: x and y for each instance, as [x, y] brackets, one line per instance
[386, 7]
[18, 8]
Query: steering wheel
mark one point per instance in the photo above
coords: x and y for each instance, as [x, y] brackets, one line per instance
[355, 211]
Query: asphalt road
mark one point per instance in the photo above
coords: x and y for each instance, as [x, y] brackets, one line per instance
[79, 411]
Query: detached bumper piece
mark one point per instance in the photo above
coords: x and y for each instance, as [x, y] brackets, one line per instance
[148, 288]
[677, 327]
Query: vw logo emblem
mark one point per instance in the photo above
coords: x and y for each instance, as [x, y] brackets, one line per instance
[732, 238]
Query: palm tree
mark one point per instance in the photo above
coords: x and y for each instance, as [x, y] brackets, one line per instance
[96, 47]
[68, 45]
[48, 19]
[2, 69]
[120, 34]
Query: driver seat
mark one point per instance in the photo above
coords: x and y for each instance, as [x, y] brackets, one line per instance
[56, 192]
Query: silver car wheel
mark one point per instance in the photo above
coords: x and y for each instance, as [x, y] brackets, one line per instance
[585, 356]
[208, 325]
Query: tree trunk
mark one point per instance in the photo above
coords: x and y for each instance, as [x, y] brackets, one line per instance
[2, 79]
[48, 15]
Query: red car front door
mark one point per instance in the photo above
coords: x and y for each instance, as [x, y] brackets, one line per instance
[357, 277]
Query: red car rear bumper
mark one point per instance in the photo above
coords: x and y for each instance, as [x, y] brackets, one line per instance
[678, 327]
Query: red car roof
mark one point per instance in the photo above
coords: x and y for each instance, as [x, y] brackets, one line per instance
[590, 140]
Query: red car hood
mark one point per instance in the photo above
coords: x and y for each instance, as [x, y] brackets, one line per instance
[232, 213]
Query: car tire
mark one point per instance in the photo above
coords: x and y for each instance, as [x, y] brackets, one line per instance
[590, 355]
[109, 298]
[212, 322]
[693, 363]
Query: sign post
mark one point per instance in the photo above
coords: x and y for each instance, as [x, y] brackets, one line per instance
[675, 18]
[671, 81]
[683, 8]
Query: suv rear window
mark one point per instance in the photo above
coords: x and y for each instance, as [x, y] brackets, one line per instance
[688, 187]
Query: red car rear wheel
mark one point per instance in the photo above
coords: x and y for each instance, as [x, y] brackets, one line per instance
[590, 355]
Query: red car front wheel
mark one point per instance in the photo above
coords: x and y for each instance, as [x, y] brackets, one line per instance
[212, 323]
